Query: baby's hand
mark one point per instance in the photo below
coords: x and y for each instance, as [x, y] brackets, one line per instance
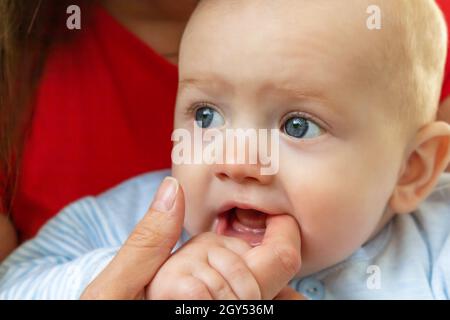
[218, 267]
[209, 266]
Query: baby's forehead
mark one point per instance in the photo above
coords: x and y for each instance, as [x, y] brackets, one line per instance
[283, 41]
[336, 30]
[345, 17]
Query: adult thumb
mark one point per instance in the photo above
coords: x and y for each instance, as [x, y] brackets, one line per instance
[146, 249]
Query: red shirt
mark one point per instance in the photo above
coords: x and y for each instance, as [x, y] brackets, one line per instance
[104, 113]
[445, 6]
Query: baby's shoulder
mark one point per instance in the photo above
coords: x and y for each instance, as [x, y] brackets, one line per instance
[432, 218]
[122, 206]
[423, 238]
[138, 188]
[134, 193]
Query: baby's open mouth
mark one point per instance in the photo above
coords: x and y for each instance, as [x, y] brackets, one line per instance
[246, 224]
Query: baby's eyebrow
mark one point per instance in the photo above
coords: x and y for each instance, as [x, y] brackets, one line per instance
[315, 98]
[209, 82]
[284, 89]
[297, 92]
[191, 81]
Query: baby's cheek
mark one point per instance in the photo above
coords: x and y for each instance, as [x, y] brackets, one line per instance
[334, 221]
[193, 180]
[327, 240]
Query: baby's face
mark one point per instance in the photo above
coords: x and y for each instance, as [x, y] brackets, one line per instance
[292, 66]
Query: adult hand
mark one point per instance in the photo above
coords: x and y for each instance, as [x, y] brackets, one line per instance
[147, 248]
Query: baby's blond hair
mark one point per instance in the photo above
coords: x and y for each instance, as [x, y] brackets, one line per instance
[415, 56]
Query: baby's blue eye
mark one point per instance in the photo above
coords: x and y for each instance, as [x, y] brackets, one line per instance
[301, 128]
[207, 117]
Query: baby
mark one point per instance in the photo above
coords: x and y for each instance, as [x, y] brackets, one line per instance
[359, 151]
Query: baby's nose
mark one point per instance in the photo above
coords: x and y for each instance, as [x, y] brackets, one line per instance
[242, 173]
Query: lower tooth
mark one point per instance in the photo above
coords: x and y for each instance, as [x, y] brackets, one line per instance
[241, 228]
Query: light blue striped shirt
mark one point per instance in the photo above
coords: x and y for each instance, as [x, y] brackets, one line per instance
[409, 258]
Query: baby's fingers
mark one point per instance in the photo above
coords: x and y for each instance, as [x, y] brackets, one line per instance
[238, 246]
[178, 287]
[217, 285]
[234, 270]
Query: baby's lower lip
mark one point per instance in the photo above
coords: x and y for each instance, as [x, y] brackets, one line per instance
[248, 225]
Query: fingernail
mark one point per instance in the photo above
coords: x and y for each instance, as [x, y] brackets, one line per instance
[165, 197]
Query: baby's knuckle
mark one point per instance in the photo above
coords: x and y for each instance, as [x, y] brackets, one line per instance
[249, 293]
[252, 294]
[191, 289]
[241, 276]
[158, 293]
[237, 271]
[220, 288]
[288, 257]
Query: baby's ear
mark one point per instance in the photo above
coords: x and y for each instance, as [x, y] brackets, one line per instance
[428, 159]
